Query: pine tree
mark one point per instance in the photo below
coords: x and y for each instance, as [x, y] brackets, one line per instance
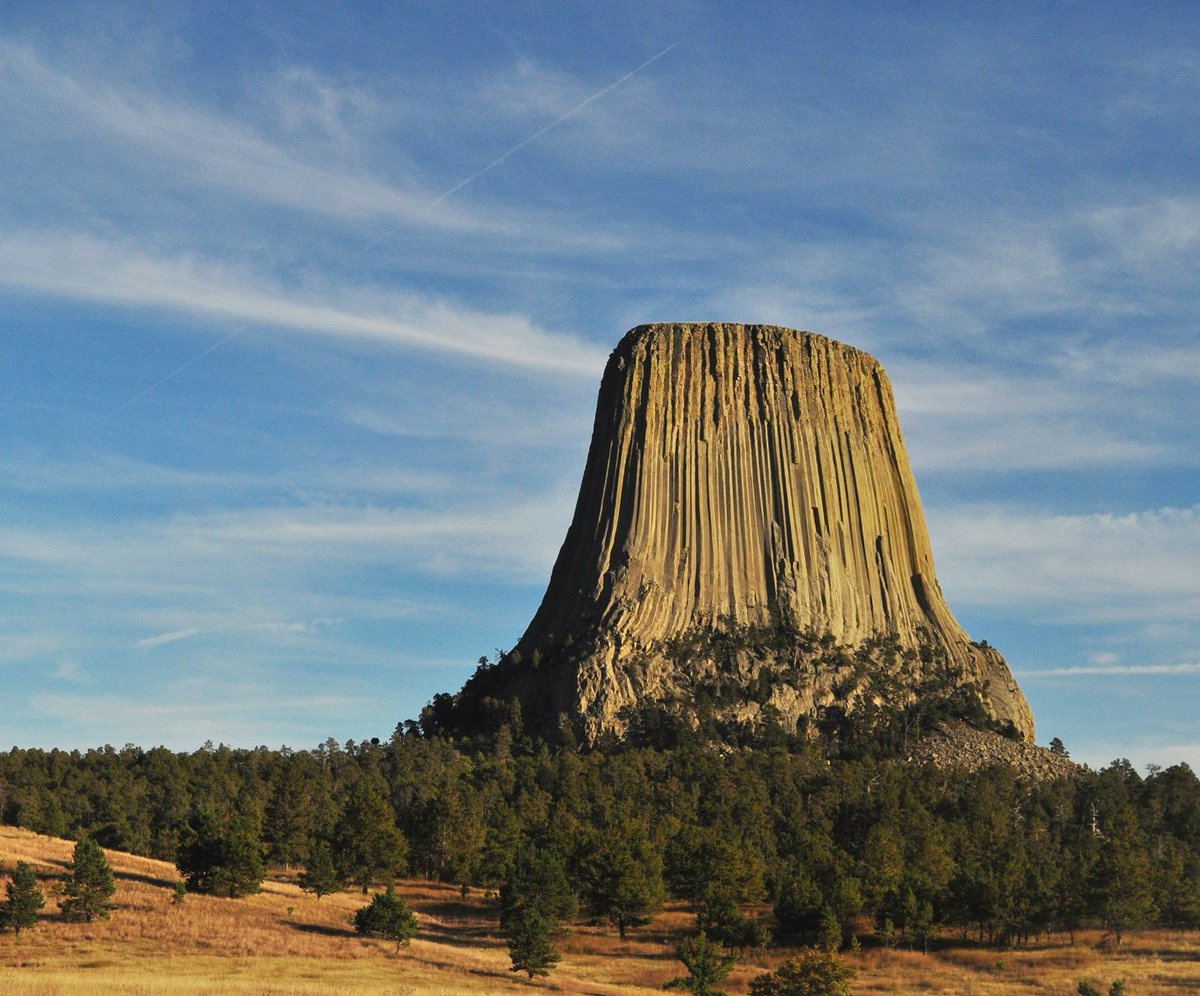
[536, 881]
[389, 917]
[831, 931]
[531, 943]
[20, 910]
[707, 964]
[624, 877]
[535, 900]
[90, 886]
[319, 876]
[220, 859]
[367, 846]
[1121, 878]
[800, 904]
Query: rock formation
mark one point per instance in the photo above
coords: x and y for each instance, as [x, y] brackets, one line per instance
[742, 481]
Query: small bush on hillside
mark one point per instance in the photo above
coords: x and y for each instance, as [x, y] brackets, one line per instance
[814, 973]
[707, 964]
[389, 917]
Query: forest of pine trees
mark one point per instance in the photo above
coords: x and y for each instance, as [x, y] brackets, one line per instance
[835, 846]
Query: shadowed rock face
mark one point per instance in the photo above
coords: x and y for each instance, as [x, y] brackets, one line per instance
[739, 476]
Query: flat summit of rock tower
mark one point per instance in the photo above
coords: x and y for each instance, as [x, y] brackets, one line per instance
[748, 542]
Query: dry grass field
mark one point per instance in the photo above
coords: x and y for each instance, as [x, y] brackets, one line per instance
[284, 941]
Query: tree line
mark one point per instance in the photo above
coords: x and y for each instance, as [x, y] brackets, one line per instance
[839, 848]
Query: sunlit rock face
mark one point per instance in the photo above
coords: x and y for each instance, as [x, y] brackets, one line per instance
[741, 478]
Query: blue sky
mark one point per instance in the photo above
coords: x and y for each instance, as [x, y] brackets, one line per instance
[306, 304]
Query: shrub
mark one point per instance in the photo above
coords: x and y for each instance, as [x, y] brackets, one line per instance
[387, 916]
[814, 973]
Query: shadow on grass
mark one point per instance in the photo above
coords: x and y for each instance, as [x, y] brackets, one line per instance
[1164, 954]
[459, 937]
[163, 883]
[319, 928]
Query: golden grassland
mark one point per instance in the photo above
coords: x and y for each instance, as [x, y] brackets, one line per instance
[283, 941]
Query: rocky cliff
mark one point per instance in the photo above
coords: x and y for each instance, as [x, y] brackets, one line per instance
[746, 527]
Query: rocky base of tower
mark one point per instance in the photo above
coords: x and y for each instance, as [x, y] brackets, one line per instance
[742, 684]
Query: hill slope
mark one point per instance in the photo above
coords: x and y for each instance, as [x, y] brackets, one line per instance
[283, 942]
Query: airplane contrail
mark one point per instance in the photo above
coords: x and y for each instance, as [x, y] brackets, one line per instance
[553, 124]
[428, 207]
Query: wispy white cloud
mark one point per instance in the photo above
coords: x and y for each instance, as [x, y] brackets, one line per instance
[216, 151]
[1108, 670]
[1071, 568]
[86, 268]
[98, 472]
[16, 647]
[234, 560]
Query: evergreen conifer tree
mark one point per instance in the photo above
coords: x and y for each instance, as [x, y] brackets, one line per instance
[368, 848]
[624, 877]
[531, 943]
[90, 886]
[535, 900]
[19, 911]
[319, 876]
[813, 973]
[220, 859]
[387, 916]
[707, 964]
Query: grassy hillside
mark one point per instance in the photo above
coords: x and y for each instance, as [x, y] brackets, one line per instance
[283, 941]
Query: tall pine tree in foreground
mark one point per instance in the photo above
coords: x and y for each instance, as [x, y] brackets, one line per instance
[535, 901]
[20, 910]
[531, 943]
[90, 886]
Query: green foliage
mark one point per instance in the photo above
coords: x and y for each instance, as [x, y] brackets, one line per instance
[387, 916]
[831, 931]
[20, 910]
[90, 885]
[535, 901]
[368, 848]
[536, 881]
[707, 965]
[985, 855]
[178, 893]
[531, 947]
[320, 877]
[814, 973]
[623, 876]
[1121, 880]
[800, 904]
[220, 858]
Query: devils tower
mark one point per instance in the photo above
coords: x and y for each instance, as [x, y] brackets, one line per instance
[748, 535]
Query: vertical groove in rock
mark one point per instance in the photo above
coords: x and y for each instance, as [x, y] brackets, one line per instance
[741, 475]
